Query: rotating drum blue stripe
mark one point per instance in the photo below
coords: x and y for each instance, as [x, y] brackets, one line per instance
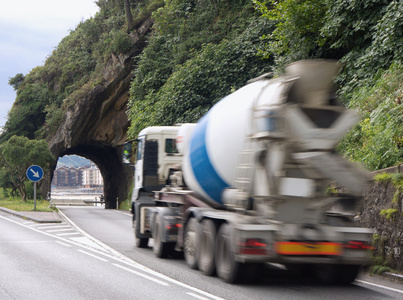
[207, 177]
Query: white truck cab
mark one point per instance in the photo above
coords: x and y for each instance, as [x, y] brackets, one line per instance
[154, 166]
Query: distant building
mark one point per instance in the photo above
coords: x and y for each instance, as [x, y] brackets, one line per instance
[77, 177]
[92, 177]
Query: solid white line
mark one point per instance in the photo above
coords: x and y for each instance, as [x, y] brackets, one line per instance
[90, 254]
[142, 275]
[197, 296]
[64, 244]
[380, 286]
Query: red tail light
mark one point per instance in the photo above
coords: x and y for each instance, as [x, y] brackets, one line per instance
[358, 245]
[252, 247]
[173, 226]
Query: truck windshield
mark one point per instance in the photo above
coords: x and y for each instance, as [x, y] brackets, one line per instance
[139, 149]
[170, 146]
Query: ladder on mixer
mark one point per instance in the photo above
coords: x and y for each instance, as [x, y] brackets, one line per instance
[244, 170]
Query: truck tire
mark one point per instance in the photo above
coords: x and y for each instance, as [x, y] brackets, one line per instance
[205, 259]
[140, 242]
[161, 249]
[228, 269]
[190, 245]
[336, 274]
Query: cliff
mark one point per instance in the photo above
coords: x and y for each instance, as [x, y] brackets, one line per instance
[96, 126]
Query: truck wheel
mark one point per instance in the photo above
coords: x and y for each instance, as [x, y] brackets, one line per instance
[228, 269]
[161, 249]
[140, 242]
[205, 259]
[191, 246]
[336, 274]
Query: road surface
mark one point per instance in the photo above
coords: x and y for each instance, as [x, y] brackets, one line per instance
[113, 228]
[56, 261]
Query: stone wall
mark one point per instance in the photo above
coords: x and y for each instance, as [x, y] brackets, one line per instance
[388, 237]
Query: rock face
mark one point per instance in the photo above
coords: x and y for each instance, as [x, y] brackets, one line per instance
[96, 126]
[388, 228]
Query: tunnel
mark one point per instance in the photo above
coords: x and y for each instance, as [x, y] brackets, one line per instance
[117, 176]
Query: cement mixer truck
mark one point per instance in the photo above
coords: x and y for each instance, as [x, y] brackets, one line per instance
[249, 183]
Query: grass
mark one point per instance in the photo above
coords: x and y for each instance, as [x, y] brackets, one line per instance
[19, 205]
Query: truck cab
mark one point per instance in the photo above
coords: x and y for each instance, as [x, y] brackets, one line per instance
[156, 158]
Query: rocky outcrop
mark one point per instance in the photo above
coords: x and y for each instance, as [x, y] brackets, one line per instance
[96, 126]
[388, 227]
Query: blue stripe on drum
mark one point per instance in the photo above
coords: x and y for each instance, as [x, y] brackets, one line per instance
[203, 170]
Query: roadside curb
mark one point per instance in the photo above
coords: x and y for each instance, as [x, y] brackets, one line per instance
[35, 216]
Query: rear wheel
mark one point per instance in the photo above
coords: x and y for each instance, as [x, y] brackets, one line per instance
[205, 259]
[161, 249]
[191, 244]
[336, 274]
[228, 269]
[140, 242]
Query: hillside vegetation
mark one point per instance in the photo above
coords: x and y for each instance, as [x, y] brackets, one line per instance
[201, 50]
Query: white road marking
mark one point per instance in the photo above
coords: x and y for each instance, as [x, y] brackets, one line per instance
[380, 286]
[53, 226]
[197, 296]
[68, 233]
[125, 213]
[64, 244]
[92, 255]
[115, 255]
[59, 230]
[142, 275]
[124, 259]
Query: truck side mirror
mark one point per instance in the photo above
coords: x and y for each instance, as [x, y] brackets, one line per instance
[128, 157]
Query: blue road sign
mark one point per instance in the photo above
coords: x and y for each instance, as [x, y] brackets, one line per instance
[34, 173]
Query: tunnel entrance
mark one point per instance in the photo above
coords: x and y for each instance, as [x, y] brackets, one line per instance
[77, 181]
[117, 177]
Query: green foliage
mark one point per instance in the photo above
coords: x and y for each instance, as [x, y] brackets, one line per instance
[379, 269]
[72, 69]
[121, 42]
[390, 213]
[366, 35]
[18, 205]
[396, 179]
[201, 51]
[297, 34]
[16, 81]
[377, 141]
[16, 155]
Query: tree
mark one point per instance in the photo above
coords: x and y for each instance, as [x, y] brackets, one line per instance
[16, 81]
[128, 15]
[16, 156]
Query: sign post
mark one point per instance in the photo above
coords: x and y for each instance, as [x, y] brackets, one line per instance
[34, 174]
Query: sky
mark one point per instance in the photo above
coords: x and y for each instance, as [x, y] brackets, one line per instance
[29, 31]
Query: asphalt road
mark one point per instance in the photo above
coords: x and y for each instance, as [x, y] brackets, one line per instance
[113, 228]
[57, 261]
